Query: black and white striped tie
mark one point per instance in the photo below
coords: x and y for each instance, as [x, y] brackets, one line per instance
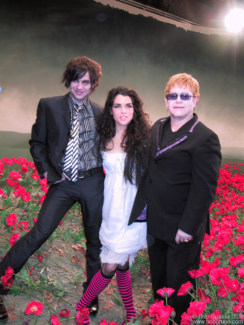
[71, 155]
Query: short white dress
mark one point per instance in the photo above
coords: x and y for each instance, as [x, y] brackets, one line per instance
[119, 241]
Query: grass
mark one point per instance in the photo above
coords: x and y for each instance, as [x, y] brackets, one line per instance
[14, 144]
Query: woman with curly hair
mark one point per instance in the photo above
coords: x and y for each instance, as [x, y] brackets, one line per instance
[124, 132]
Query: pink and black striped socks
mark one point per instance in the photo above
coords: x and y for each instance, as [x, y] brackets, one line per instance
[96, 286]
[125, 289]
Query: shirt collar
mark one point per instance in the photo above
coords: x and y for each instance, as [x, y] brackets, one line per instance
[86, 103]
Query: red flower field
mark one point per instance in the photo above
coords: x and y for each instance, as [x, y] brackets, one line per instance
[219, 298]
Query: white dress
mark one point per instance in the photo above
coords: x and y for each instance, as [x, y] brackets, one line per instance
[119, 241]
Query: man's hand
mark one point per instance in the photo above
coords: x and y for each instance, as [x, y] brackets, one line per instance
[45, 175]
[182, 237]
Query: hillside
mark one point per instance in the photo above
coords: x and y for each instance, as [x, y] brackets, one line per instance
[14, 144]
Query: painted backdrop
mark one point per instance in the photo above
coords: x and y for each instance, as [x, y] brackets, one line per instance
[37, 38]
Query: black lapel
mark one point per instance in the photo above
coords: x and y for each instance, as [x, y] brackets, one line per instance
[65, 109]
[182, 137]
[96, 111]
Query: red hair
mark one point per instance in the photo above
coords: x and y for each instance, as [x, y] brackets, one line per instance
[183, 80]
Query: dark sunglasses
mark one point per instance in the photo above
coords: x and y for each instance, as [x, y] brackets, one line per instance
[183, 96]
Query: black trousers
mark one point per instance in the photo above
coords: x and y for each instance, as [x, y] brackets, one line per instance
[169, 266]
[88, 192]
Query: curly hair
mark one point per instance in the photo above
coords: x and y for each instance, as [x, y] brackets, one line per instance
[137, 136]
[77, 68]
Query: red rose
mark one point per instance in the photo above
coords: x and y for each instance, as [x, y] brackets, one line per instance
[54, 320]
[82, 315]
[196, 308]
[7, 161]
[214, 318]
[234, 261]
[184, 289]
[165, 292]
[13, 239]
[185, 319]
[25, 196]
[35, 177]
[239, 241]
[216, 275]
[156, 308]
[24, 169]
[42, 198]
[240, 272]
[34, 307]
[22, 160]
[7, 278]
[43, 181]
[11, 219]
[103, 322]
[15, 175]
[64, 313]
[40, 258]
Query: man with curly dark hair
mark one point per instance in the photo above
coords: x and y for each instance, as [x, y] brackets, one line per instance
[64, 146]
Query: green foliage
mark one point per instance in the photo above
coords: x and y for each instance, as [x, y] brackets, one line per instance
[78, 237]
[117, 299]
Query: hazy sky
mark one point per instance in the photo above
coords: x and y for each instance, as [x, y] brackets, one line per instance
[37, 39]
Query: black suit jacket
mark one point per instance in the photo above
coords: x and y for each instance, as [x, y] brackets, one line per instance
[50, 134]
[181, 181]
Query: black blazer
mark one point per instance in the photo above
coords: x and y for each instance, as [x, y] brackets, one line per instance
[50, 134]
[181, 181]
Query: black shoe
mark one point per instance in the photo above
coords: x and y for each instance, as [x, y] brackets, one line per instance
[3, 310]
[93, 307]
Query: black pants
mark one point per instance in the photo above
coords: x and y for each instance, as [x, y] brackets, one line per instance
[88, 192]
[169, 266]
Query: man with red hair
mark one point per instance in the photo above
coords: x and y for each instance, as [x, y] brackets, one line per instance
[178, 189]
